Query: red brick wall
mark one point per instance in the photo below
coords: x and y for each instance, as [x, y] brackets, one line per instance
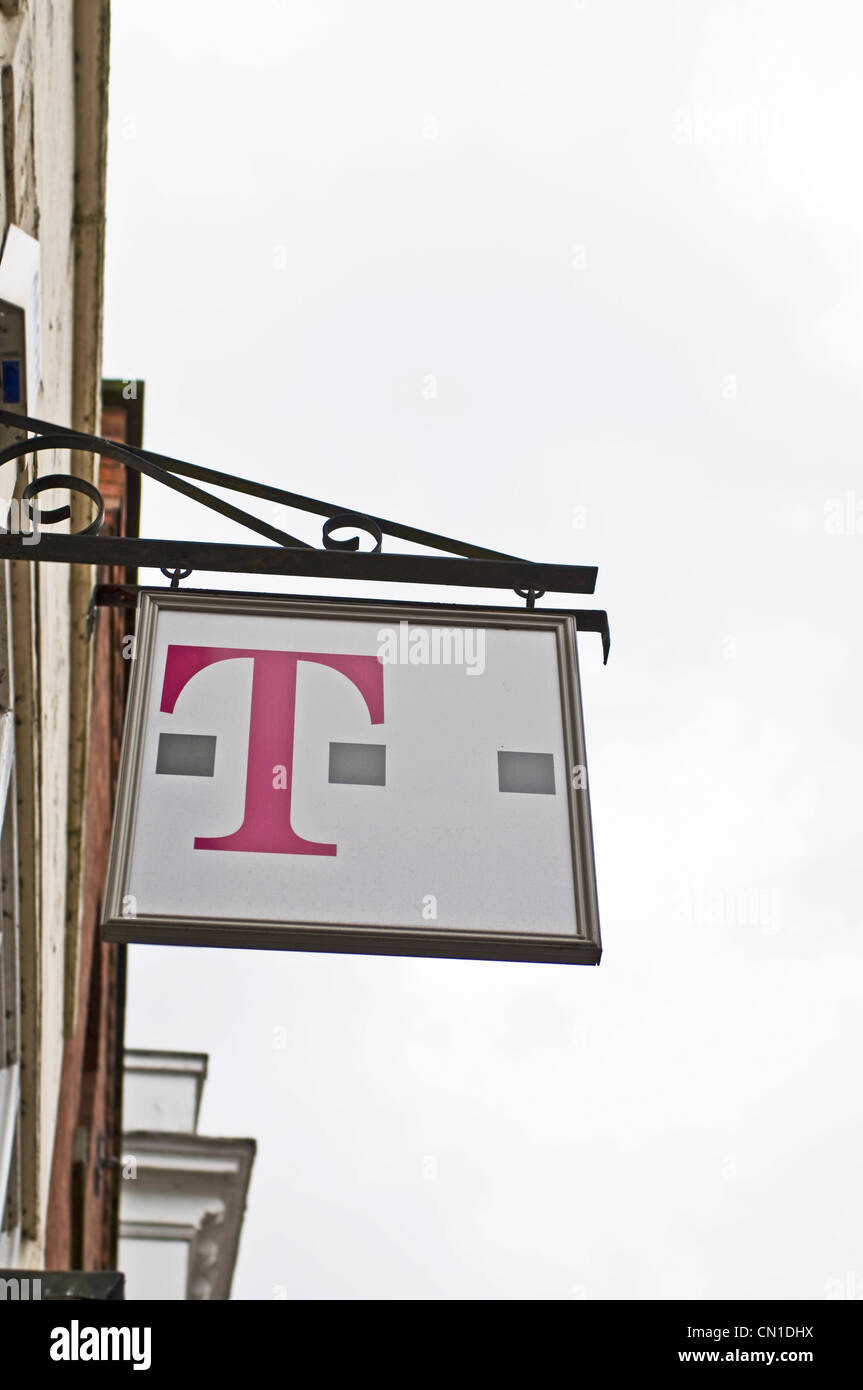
[83, 1200]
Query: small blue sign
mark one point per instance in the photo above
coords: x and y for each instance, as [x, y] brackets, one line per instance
[11, 381]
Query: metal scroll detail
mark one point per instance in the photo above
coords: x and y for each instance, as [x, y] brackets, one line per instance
[173, 473]
[364, 523]
[41, 516]
[69, 483]
[461, 563]
[134, 458]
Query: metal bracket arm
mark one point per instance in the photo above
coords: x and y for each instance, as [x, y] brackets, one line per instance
[463, 563]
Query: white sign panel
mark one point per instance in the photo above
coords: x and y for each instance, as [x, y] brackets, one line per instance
[366, 777]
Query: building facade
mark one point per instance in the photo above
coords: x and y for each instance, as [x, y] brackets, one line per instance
[83, 1205]
[53, 106]
[75, 1194]
[183, 1194]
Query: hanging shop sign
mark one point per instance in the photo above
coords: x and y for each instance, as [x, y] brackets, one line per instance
[331, 775]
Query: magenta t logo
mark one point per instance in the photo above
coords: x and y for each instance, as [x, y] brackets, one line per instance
[266, 827]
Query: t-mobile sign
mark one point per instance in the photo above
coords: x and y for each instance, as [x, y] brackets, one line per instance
[326, 775]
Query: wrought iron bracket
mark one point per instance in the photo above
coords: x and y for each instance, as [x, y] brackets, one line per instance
[462, 563]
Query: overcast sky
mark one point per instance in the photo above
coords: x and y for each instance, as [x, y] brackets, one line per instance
[626, 243]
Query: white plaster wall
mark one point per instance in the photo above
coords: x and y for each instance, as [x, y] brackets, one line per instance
[157, 1101]
[154, 1269]
[54, 127]
[38, 44]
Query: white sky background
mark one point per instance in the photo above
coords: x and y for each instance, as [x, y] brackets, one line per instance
[626, 240]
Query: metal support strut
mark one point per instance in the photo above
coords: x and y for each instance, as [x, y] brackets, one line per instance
[462, 564]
